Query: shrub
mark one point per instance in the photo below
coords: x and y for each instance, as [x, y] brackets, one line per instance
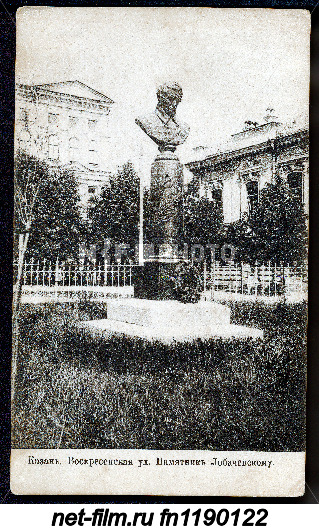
[187, 283]
[81, 391]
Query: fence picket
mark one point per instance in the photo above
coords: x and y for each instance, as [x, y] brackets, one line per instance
[231, 279]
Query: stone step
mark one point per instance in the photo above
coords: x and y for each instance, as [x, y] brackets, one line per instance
[168, 314]
[169, 335]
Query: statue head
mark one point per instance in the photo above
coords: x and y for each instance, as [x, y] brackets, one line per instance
[160, 125]
[169, 95]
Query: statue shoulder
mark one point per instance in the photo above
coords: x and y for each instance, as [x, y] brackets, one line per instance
[184, 127]
[145, 122]
[173, 132]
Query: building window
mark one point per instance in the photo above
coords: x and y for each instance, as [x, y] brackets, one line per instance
[24, 142]
[252, 195]
[294, 180]
[24, 118]
[92, 153]
[73, 121]
[217, 197]
[92, 123]
[53, 148]
[74, 149]
[52, 118]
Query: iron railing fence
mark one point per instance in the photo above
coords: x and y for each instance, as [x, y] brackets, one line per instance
[258, 280]
[237, 279]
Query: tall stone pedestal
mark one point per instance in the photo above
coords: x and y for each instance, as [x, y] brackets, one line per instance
[155, 280]
[166, 194]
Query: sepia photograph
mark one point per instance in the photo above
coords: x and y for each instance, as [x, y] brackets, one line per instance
[161, 214]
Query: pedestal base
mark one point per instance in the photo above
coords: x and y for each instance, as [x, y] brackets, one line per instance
[108, 328]
[169, 322]
[165, 315]
[155, 281]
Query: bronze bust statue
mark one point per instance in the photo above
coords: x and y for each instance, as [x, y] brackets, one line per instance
[161, 125]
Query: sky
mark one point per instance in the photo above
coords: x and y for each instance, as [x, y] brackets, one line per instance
[231, 63]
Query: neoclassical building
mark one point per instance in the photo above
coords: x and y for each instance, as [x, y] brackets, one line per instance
[66, 123]
[236, 173]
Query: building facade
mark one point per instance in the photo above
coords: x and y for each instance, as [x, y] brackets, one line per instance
[66, 123]
[236, 174]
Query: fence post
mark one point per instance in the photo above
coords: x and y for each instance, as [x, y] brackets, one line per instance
[269, 278]
[43, 272]
[37, 272]
[236, 280]
[63, 273]
[205, 279]
[262, 271]
[25, 272]
[287, 279]
[50, 271]
[56, 281]
[31, 270]
[105, 272]
[242, 277]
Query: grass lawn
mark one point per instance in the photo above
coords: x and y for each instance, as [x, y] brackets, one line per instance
[74, 391]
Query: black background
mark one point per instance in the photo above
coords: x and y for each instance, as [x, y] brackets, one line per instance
[7, 64]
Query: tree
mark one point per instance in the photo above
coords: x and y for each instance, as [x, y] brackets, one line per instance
[47, 209]
[276, 229]
[58, 227]
[47, 222]
[279, 225]
[28, 175]
[114, 215]
[202, 221]
[242, 238]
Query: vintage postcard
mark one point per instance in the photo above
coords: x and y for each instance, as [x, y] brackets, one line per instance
[160, 257]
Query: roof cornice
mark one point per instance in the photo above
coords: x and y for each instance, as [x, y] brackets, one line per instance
[30, 91]
[231, 155]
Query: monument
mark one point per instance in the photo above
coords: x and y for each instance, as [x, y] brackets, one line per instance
[156, 313]
[166, 194]
[166, 190]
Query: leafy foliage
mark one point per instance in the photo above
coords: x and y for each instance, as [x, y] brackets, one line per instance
[241, 236]
[55, 220]
[187, 283]
[115, 214]
[276, 229]
[29, 173]
[202, 221]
